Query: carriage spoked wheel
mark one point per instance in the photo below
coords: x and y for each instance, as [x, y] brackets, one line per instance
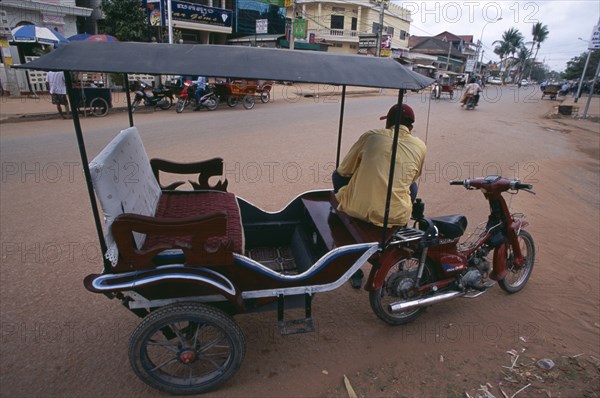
[186, 348]
[248, 101]
[232, 101]
[98, 107]
[265, 97]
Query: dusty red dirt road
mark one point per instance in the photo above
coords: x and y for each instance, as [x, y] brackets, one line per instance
[57, 339]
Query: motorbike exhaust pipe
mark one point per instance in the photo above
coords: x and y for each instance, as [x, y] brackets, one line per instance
[401, 306]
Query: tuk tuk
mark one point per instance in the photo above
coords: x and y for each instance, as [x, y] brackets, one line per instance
[186, 261]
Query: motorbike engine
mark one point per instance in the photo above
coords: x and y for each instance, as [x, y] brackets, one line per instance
[479, 267]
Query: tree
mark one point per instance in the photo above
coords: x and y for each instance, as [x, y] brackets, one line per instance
[540, 33]
[124, 19]
[512, 41]
[523, 58]
[576, 64]
[501, 50]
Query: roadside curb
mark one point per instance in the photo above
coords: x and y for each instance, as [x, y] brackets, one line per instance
[30, 117]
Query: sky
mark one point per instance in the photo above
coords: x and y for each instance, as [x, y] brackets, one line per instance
[567, 20]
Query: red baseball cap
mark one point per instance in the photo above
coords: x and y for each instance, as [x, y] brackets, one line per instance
[407, 113]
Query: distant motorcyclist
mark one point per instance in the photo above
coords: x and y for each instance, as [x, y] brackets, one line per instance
[471, 89]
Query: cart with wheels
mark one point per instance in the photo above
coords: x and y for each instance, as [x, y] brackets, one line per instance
[94, 101]
[236, 91]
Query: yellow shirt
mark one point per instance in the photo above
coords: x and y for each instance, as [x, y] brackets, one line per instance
[368, 162]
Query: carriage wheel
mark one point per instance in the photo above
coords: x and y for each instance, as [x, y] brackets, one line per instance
[186, 348]
[265, 97]
[248, 101]
[98, 107]
[232, 101]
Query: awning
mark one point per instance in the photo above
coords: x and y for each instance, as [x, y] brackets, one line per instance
[231, 61]
[255, 38]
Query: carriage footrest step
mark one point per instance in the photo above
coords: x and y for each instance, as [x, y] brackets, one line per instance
[296, 326]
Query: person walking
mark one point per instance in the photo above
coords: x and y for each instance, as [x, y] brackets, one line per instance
[55, 83]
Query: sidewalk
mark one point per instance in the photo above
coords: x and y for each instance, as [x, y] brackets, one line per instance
[579, 106]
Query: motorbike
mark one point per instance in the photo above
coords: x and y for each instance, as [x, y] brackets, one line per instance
[470, 102]
[427, 264]
[188, 96]
[155, 97]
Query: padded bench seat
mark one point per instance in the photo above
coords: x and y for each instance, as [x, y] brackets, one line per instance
[180, 204]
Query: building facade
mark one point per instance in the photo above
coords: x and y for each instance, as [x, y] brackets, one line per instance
[342, 23]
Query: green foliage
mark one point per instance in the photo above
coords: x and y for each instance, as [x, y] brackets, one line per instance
[124, 19]
[576, 64]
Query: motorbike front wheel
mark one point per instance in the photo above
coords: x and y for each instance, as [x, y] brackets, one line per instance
[517, 276]
[135, 105]
[399, 286]
[180, 105]
[186, 348]
[165, 103]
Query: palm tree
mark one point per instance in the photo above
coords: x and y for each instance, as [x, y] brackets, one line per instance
[501, 50]
[540, 33]
[522, 58]
[512, 39]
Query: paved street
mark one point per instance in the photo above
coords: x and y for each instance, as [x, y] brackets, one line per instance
[59, 339]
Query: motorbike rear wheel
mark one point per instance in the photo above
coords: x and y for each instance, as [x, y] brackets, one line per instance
[517, 276]
[186, 348]
[180, 105]
[165, 103]
[211, 103]
[398, 283]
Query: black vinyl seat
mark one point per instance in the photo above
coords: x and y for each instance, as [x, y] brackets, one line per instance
[451, 226]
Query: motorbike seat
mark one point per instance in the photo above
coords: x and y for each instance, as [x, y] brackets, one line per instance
[452, 226]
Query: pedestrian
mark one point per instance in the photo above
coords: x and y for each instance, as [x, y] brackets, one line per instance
[361, 180]
[55, 83]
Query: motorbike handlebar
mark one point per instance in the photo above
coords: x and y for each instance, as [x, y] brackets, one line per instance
[457, 182]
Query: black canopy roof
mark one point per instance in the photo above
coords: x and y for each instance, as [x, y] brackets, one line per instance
[231, 61]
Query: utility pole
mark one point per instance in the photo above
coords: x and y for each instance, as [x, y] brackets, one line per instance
[382, 4]
[293, 23]
[591, 94]
[449, 50]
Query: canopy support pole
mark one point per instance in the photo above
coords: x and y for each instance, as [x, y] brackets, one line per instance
[339, 143]
[126, 85]
[86, 168]
[388, 197]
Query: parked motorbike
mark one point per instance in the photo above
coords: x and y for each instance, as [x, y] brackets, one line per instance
[428, 265]
[155, 97]
[188, 96]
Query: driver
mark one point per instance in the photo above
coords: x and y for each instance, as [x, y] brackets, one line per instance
[361, 180]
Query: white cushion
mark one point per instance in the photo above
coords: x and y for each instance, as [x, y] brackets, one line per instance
[124, 183]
